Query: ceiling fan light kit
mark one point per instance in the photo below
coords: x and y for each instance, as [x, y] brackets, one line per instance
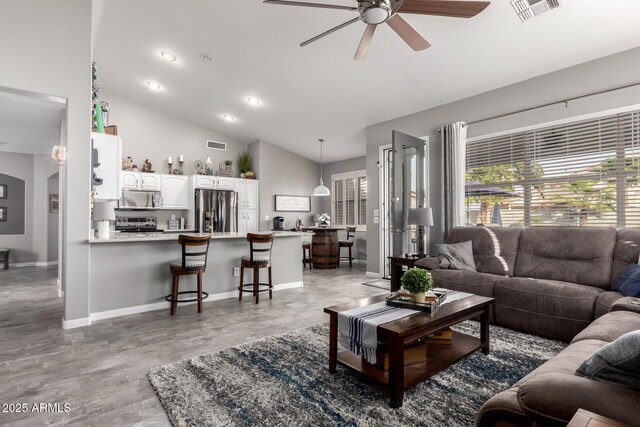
[376, 12]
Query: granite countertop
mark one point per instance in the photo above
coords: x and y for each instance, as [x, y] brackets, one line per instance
[154, 237]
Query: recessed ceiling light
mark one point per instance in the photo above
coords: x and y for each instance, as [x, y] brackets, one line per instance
[228, 117]
[168, 56]
[154, 85]
[206, 57]
[253, 100]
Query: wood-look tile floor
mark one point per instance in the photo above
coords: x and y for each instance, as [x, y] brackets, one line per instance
[100, 370]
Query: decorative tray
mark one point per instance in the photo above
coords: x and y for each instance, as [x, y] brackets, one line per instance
[401, 300]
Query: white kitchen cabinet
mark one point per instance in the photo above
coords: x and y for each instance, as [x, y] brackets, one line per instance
[247, 221]
[150, 181]
[109, 149]
[225, 183]
[175, 192]
[247, 193]
[141, 181]
[131, 180]
[205, 181]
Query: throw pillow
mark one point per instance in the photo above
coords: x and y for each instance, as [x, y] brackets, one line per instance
[628, 281]
[457, 256]
[616, 363]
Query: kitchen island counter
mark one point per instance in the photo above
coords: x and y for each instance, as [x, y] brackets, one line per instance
[131, 274]
[119, 237]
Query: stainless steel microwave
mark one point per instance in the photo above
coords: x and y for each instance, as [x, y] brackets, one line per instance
[136, 199]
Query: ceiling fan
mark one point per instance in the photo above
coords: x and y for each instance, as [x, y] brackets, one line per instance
[376, 12]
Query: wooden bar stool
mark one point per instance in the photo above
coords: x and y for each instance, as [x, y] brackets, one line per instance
[306, 255]
[260, 246]
[193, 261]
[351, 232]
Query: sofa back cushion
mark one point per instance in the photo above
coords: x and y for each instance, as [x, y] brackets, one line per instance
[494, 248]
[569, 254]
[627, 250]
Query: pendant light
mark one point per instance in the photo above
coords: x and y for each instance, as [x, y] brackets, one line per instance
[321, 190]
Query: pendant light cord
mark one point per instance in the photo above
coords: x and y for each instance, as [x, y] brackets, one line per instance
[321, 142]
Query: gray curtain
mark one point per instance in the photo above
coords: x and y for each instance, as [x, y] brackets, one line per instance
[454, 145]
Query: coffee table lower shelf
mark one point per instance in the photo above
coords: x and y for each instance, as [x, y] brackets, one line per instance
[439, 357]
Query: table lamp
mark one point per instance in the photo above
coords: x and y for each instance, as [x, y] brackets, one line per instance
[422, 217]
[103, 213]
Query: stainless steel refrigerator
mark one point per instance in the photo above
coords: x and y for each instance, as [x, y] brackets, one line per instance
[216, 211]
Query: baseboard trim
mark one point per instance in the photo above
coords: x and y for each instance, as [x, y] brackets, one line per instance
[33, 264]
[163, 305]
[373, 275]
[76, 323]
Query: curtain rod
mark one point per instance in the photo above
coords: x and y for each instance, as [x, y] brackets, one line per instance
[563, 101]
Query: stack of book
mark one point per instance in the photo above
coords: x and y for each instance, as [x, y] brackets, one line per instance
[224, 172]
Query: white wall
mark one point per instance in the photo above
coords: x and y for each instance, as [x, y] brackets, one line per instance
[148, 133]
[48, 49]
[594, 76]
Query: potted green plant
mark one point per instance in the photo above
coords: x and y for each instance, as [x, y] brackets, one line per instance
[244, 162]
[418, 282]
[227, 164]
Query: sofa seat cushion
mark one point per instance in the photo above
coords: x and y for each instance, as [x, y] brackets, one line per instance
[610, 326]
[548, 308]
[568, 360]
[465, 281]
[581, 255]
[604, 302]
[553, 398]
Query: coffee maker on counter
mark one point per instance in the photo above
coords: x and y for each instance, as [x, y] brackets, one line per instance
[278, 223]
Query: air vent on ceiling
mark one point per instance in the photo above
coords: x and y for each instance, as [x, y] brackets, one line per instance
[528, 9]
[215, 145]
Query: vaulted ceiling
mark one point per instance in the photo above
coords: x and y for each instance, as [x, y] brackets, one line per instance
[320, 91]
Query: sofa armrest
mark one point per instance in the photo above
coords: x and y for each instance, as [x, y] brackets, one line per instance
[429, 263]
[555, 397]
[626, 304]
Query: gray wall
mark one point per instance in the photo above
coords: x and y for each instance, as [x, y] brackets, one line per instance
[52, 55]
[284, 172]
[343, 166]
[148, 133]
[13, 205]
[601, 74]
[53, 184]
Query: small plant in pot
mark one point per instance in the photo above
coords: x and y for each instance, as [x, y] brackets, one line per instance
[418, 282]
[227, 164]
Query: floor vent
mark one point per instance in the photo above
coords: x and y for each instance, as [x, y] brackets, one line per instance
[215, 145]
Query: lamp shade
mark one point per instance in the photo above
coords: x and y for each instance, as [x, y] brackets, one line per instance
[421, 216]
[321, 191]
[103, 211]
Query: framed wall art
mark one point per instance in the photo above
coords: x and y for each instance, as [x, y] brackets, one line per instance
[292, 203]
[3, 191]
[3, 214]
[54, 203]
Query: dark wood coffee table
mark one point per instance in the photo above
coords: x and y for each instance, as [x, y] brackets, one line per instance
[396, 335]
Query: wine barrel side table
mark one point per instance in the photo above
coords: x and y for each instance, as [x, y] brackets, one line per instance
[325, 249]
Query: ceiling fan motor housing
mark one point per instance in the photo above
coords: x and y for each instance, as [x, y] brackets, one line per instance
[375, 12]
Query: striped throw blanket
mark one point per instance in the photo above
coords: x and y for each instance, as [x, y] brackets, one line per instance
[358, 328]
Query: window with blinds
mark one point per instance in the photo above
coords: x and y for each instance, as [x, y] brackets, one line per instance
[584, 173]
[349, 198]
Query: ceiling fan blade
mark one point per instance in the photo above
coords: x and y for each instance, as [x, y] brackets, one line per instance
[326, 33]
[363, 47]
[408, 34]
[457, 9]
[300, 3]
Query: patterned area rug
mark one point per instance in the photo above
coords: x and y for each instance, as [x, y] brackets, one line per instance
[283, 380]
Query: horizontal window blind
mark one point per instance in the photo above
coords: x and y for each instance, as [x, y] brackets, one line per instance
[584, 173]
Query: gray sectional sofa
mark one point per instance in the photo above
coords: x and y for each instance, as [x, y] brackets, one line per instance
[554, 282]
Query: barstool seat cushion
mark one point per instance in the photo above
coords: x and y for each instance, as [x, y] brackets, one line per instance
[190, 264]
[257, 259]
[306, 244]
[345, 243]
